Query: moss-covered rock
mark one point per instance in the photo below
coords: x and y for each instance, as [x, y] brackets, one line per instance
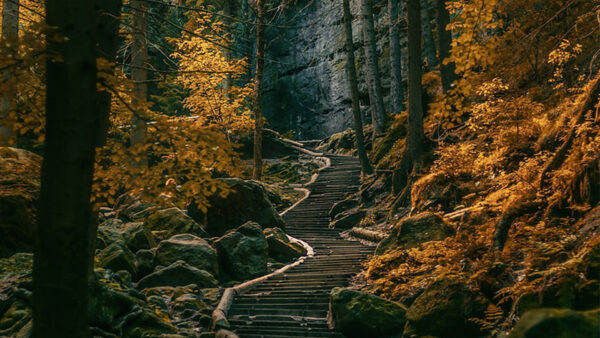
[412, 231]
[559, 323]
[178, 274]
[359, 314]
[117, 257]
[19, 193]
[280, 247]
[247, 201]
[348, 219]
[137, 236]
[189, 248]
[445, 309]
[243, 253]
[173, 221]
[340, 143]
[146, 323]
[107, 306]
[342, 206]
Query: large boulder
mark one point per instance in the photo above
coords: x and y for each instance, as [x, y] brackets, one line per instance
[179, 273]
[138, 237]
[173, 221]
[348, 219]
[189, 248]
[243, 253]
[359, 314]
[445, 309]
[19, 193]
[109, 232]
[560, 323]
[117, 257]
[247, 201]
[130, 207]
[342, 206]
[413, 231]
[107, 306]
[280, 247]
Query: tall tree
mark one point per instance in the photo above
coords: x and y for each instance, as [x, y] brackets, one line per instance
[258, 81]
[415, 138]
[372, 69]
[108, 21]
[353, 84]
[9, 40]
[428, 41]
[395, 58]
[60, 272]
[139, 75]
[445, 42]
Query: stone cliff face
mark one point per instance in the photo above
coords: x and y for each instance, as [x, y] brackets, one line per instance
[305, 77]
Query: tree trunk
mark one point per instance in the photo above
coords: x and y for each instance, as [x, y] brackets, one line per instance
[60, 272]
[395, 59]
[228, 11]
[353, 84]
[445, 42]
[10, 36]
[428, 41]
[108, 21]
[372, 69]
[258, 79]
[139, 75]
[415, 137]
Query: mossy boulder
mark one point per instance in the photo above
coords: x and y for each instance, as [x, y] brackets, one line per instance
[131, 208]
[280, 247]
[137, 236]
[19, 193]
[445, 309]
[339, 143]
[591, 262]
[247, 201]
[189, 248]
[117, 257]
[173, 221]
[146, 323]
[243, 253]
[144, 262]
[178, 274]
[559, 323]
[359, 314]
[348, 219]
[107, 306]
[342, 206]
[109, 232]
[412, 231]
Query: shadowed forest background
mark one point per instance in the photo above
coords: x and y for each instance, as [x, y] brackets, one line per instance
[158, 157]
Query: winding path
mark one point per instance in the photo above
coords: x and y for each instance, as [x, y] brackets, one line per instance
[296, 303]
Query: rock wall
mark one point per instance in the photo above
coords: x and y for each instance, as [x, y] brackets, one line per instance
[306, 86]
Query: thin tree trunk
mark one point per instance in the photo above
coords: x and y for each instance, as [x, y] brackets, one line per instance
[416, 137]
[353, 84]
[395, 58]
[60, 271]
[10, 36]
[428, 41]
[258, 79]
[139, 75]
[228, 10]
[108, 21]
[445, 42]
[372, 69]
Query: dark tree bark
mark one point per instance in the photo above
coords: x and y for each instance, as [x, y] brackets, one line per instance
[108, 21]
[353, 84]
[428, 40]
[139, 75]
[258, 80]
[415, 138]
[372, 69]
[445, 41]
[60, 272]
[395, 58]
[10, 37]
